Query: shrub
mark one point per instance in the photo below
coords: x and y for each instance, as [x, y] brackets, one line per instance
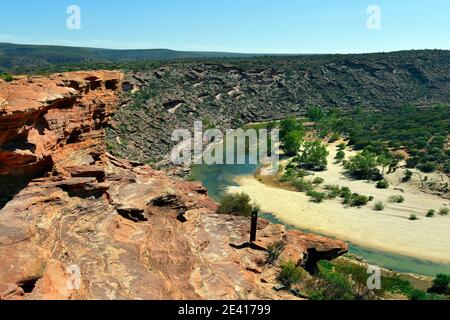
[431, 213]
[332, 286]
[359, 200]
[313, 157]
[417, 294]
[407, 176]
[315, 114]
[444, 211]
[379, 206]
[396, 285]
[290, 125]
[317, 197]
[411, 163]
[396, 199]
[341, 147]
[288, 176]
[302, 185]
[7, 77]
[363, 166]
[290, 273]
[334, 137]
[446, 167]
[382, 184]
[340, 155]
[345, 192]
[441, 285]
[427, 167]
[292, 142]
[236, 204]
[333, 191]
[413, 217]
[318, 181]
[275, 251]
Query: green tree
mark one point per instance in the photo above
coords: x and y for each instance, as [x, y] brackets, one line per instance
[315, 114]
[291, 143]
[289, 125]
[313, 156]
[441, 285]
[363, 166]
[427, 167]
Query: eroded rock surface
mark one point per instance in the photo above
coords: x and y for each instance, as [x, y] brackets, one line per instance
[131, 231]
[45, 121]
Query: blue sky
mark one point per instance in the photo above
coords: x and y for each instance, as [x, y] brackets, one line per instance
[257, 26]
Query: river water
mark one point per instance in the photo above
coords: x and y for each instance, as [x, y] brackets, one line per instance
[217, 178]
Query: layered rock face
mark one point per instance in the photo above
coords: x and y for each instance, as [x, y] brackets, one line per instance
[45, 121]
[230, 93]
[96, 227]
[40, 118]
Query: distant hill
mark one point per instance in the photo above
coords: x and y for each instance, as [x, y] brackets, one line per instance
[17, 56]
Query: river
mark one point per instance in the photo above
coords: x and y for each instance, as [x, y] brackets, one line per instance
[217, 178]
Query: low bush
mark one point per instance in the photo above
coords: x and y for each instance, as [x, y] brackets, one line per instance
[359, 200]
[396, 285]
[444, 211]
[396, 199]
[417, 294]
[334, 137]
[427, 167]
[318, 181]
[431, 213]
[238, 204]
[345, 192]
[340, 155]
[288, 176]
[407, 176]
[333, 191]
[290, 273]
[317, 197]
[413, 217]
[382, 184]
[275, 251]
[379, 206]
[332, 286]
[7, 77]
[302, 185]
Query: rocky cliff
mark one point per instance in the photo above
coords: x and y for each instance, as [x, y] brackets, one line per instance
[131, 231]
[229, 93]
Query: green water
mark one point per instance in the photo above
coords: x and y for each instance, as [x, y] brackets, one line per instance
[217, 178]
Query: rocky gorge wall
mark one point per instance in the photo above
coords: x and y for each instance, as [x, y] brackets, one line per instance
[230, 93]
[131, 231]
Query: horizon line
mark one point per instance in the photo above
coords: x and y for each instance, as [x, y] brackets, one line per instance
[214, 51]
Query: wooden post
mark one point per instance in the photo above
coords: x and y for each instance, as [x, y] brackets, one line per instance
[254, 226]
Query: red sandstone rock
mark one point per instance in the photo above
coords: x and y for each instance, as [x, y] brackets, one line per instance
[41, 116]
[133, 232]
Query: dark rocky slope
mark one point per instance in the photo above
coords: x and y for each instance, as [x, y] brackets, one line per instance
[233, 92]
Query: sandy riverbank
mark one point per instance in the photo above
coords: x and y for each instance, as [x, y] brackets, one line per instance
[389, 230]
